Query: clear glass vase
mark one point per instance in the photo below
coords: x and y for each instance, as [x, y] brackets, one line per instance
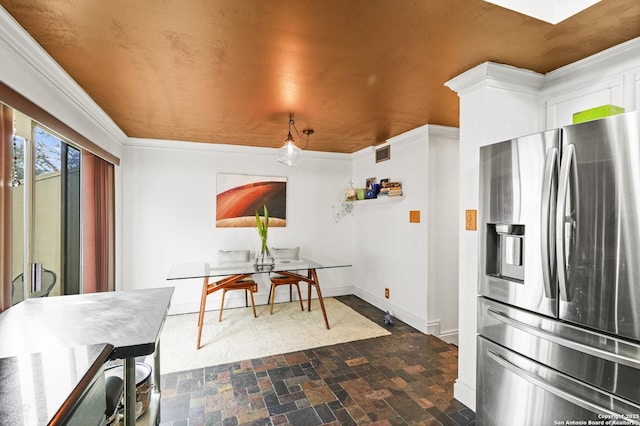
[264, 259]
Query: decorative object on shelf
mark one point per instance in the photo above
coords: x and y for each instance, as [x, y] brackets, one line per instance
[369, 183]
[290, 154]
[351, 193]
[370, 193]
[264, 259]
[344, 206]
[390, 189]
[360, 193]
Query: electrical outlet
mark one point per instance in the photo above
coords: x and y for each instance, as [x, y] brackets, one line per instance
[386, 293]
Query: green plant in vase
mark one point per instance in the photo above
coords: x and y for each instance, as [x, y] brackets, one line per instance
[263, 255]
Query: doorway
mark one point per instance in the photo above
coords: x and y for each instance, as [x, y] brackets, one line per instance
[46, 212]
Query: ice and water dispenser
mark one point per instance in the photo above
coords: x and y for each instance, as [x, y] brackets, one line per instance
[505, 251]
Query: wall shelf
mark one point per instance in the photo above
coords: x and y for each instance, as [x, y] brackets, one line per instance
[379, 200]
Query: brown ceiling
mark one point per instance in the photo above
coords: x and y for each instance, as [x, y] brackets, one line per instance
[357, 71]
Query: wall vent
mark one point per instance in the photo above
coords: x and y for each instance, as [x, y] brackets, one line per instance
[383, 154]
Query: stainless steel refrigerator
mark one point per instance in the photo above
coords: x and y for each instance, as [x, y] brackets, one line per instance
[559, 277]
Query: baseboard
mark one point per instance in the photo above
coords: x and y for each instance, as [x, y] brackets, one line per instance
[433, 327]
[465, 394]
[449, 336]
[384, 304]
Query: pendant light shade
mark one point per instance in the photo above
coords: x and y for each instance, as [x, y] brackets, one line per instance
[290, 154]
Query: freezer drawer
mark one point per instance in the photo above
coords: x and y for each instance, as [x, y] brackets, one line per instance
[608, 363]
[514, 390]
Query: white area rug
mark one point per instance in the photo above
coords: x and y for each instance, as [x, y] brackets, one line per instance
[240, 336]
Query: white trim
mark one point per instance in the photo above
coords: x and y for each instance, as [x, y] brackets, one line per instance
[613, 61]
[444, 131]
[499, 76]
[423, 131]
[465, 394]
[433, 327]
[450, 336]
[384, 304]
[613, 86]
[418, 133]
[164, 144]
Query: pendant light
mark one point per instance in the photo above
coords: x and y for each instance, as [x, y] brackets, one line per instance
[290, 154]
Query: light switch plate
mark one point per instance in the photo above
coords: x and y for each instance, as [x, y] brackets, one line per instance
[470, 220]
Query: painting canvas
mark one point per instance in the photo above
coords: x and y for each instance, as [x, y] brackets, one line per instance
[239, 197]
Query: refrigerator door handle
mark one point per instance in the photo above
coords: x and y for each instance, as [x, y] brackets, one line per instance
[550, 169]
[577, 346]
[574, 399]
[568, 156]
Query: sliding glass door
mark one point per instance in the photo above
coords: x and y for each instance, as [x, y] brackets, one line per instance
[46, 213]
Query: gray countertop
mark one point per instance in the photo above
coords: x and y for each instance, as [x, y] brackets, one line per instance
[42, 388]
[129, 320]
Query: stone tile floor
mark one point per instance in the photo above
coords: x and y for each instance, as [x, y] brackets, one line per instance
[402, 379]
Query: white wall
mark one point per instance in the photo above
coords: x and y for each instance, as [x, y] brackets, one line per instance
[499, 102]
[442, 220]
[169, 205]
[389, 251]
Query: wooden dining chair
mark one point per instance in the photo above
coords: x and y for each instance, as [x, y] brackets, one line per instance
[278, 280]
[282, 255]
[234, 282]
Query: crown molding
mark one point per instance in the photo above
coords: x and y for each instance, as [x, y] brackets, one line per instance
[406, 137]
[499, 76]
[421, 133]
[172, 145]
[417, 134]
[615, 60]
[444, 131]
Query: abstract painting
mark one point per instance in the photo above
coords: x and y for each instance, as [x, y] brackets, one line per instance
[239, 197]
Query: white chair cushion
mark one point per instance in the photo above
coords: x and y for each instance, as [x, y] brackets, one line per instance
[285, 253]
[233, 255]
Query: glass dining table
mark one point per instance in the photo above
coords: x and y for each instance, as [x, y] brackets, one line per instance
[303, 269]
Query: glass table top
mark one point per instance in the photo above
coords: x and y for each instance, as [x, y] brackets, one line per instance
[217, 268]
